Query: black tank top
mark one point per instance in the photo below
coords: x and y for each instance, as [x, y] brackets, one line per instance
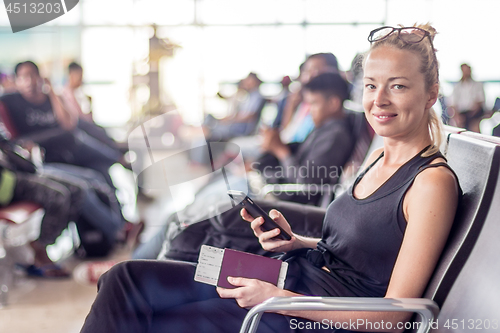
[362, 237]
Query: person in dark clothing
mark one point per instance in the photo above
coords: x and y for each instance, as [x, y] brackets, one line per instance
[280, 101]
[383, 237]
[80, 105]
[37, 114]
[320, 158]
[64, 197]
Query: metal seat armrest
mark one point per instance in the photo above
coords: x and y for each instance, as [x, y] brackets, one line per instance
[426, 308]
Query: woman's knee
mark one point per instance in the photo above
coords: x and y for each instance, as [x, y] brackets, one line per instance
[136, 272]
[118, 272]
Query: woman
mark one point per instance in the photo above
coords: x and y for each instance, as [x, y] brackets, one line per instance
[382, 238]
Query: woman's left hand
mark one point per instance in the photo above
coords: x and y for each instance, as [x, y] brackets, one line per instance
[249, 292]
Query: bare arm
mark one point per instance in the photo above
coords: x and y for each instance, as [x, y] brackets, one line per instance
[65, 117]
[244, 118]
[430, 207]
[291, 105]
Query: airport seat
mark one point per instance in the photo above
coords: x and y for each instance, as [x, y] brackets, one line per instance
[464, 282]
[473, 301]
[19, 225]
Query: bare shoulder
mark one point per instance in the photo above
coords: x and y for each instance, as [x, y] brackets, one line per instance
[435, 188]
[438, 178]
[433, 198]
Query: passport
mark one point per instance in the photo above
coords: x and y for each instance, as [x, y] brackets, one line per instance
[215, 265]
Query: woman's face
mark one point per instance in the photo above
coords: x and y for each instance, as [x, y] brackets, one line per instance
[395, 98]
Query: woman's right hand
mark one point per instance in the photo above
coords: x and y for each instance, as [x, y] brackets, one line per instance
[267, 238]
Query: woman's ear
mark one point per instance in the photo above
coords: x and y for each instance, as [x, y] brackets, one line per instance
[433, 96]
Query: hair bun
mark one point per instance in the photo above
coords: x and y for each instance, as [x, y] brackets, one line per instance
[427, 27]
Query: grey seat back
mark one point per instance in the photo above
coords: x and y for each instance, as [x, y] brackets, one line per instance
[473, 303]
[477, 165]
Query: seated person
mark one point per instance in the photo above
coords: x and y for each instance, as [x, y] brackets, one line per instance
[64, 197]
[80, 105]
[56, 201]
[280, 101]
[40, 116]
[399, 212]
[246, 116]
[297, 122]
[73, 95]
[320, 158]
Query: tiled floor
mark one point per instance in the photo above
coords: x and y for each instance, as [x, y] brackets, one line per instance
[38, 305]
[47, 306]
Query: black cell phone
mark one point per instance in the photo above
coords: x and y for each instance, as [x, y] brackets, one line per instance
[254, 210]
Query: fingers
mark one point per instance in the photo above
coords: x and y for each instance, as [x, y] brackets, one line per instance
[277, 245]
[247, 217]
[239, 281]
[274, 214]
[226, 293]
[279, 219]
[267, 238]
[254, 223]
[267, 235]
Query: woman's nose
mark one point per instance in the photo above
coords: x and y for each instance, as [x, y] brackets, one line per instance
[381, 98]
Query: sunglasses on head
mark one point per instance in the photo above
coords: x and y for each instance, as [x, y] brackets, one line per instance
[409, 35]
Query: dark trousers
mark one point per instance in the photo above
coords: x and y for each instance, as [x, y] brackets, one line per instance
[80, 149]
[97, 132]
[57, 200]
[162, 297]
[98, 205]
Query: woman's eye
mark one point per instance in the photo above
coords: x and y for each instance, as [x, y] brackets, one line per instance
[369, 86]
[399, 86]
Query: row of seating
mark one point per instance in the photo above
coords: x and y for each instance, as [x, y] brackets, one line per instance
[464, 284]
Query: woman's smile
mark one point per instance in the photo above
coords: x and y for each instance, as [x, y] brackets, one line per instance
[395, 95]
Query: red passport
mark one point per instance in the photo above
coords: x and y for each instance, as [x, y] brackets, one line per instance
[215, 265]
[252, 266]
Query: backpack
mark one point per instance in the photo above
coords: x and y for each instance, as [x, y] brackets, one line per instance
[229, 230]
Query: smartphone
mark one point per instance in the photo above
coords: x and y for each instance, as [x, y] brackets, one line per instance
[255, 211]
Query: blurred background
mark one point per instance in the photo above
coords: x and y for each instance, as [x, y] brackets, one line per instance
[208, 45]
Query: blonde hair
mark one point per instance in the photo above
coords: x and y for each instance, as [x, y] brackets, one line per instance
[430, 68]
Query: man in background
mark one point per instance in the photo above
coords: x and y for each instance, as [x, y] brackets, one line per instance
[320, 158]
[467, 101]
[244, 120]
[79, 104]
